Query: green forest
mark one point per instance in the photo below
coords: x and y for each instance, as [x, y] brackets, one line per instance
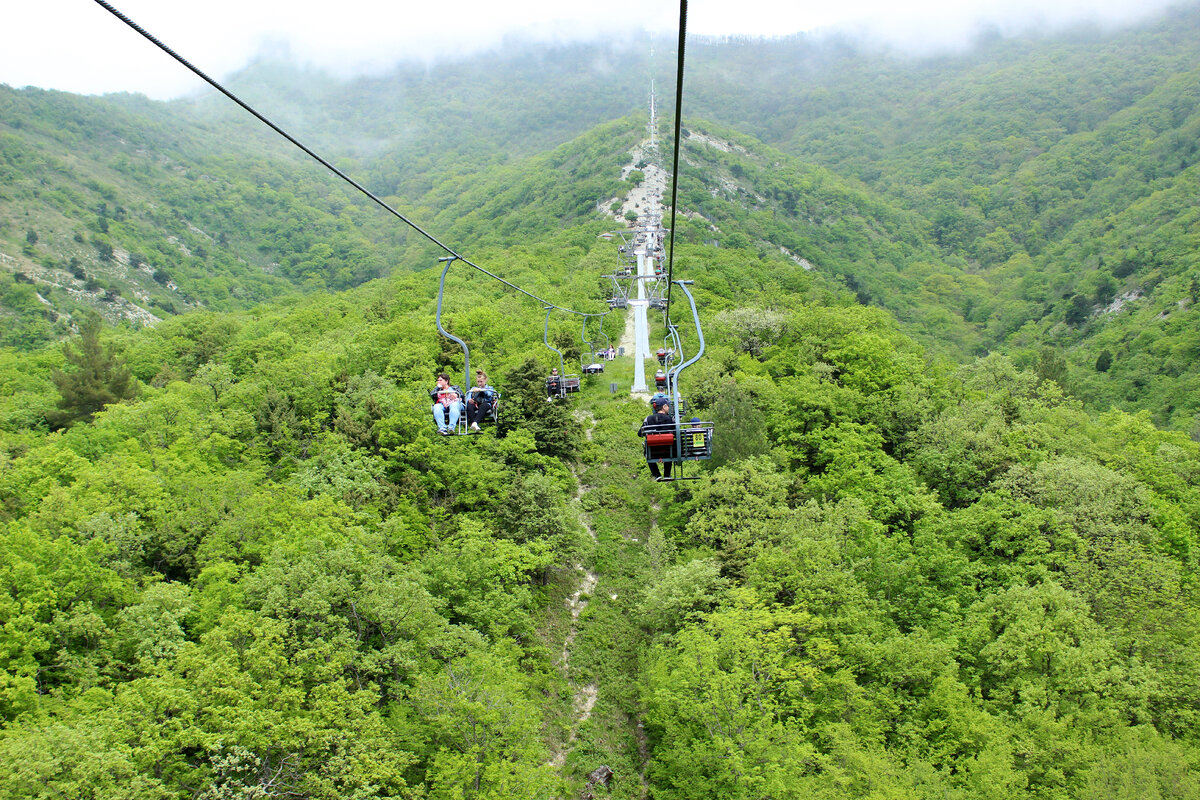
[946, 545]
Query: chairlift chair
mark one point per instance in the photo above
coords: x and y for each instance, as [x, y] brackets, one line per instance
[620, 295]
[656, 296]
[594, 366]
[461, 426]
[560, 385]
[691, 439]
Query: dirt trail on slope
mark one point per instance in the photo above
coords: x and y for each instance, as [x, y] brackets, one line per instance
[584, 699]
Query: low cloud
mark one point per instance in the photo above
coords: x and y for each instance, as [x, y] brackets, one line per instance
[946, 25]
[89, 51]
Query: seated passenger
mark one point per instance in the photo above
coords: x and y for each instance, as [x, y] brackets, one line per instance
[695, 435]
[554, 384]
[481, 400]
[660, 421]
[659, 400]
[660, 381]
[446, 399]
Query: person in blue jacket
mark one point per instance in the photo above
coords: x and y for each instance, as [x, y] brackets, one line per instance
[481, 400]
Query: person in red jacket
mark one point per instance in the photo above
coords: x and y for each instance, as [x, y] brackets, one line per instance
[446, 397]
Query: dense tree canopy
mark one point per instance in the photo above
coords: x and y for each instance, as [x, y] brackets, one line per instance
[946, 546]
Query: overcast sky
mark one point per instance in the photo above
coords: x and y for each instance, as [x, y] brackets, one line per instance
[77, 46]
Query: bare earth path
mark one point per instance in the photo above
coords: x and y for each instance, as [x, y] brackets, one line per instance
[584, 699]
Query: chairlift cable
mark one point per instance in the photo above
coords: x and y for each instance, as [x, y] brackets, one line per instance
[379, 201]
[675, 164]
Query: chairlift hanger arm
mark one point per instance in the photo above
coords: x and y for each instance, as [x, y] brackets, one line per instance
[441, 291]
[676, 343]
[678, 131]
[699, 352]
[607, 341]
[562, 368]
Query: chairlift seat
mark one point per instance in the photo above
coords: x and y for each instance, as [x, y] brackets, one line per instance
[696, 440]
[694, 444]
[562, 386]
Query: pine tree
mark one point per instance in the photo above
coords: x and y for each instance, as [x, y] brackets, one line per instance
[525, 406]
[100, 377]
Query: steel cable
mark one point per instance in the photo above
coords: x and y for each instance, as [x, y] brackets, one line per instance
[379, 201]
[675, 163]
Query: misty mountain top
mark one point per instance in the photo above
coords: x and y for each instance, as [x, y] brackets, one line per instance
[92, 52]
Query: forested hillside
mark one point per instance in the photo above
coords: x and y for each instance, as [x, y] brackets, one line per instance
[1053, 169]
[136, 214]
[267, 574]
[1043, 183]
[946, 545]
[140, 210]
